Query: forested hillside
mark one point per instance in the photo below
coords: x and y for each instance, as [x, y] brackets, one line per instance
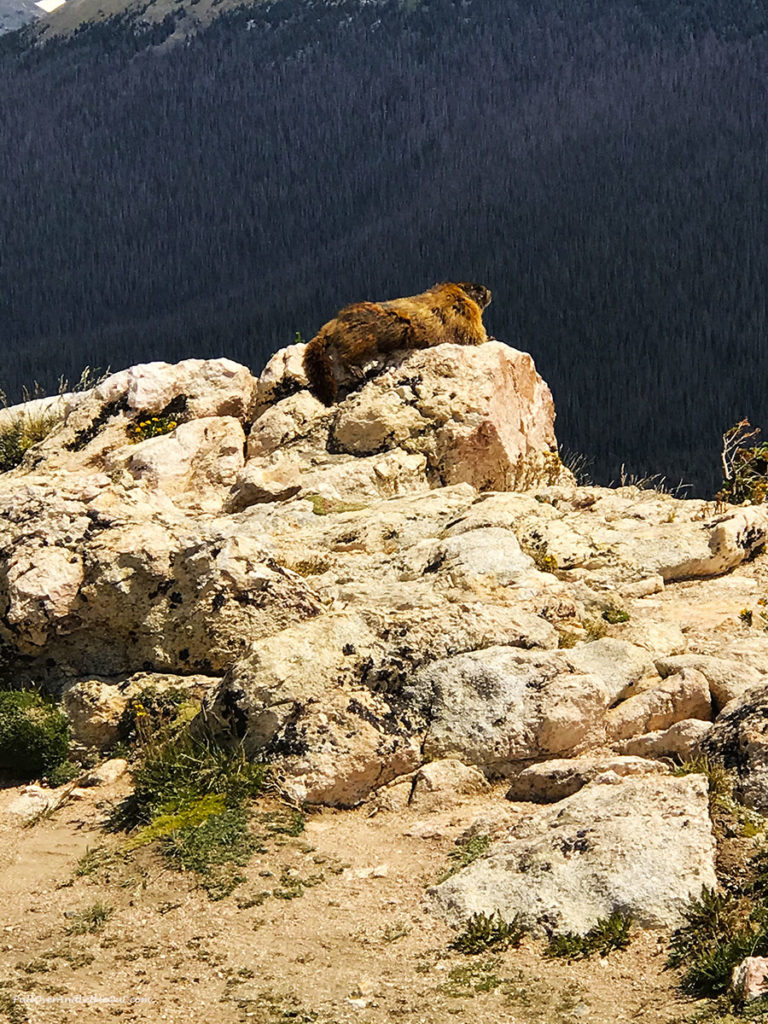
[600, 164]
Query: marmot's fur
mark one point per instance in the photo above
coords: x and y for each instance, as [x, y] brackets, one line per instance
[359, 333]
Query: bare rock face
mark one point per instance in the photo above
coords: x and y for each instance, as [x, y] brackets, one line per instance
[102, 581]
[94, 424]
[639, 846]
[550, 781]
[497, 707]
[195, 464]
[681, 741]
[681, 696]
[433, 407]
[750, 979]
[727, 677]
[739, 741]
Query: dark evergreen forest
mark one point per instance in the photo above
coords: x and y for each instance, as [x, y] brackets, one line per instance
[600, 164]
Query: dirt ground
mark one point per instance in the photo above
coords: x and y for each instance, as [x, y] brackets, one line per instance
[332, 926]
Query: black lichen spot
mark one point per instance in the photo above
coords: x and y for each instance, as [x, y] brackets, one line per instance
[578, 844]
[356, 708]
[349, 649]
[235, 715]
[86, 435]
[290, 742]
[435, 565]
[218, 602]
[175, 408]
[176, 599]
[184, 654]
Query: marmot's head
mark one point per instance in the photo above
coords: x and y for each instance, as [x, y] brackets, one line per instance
[477, 292]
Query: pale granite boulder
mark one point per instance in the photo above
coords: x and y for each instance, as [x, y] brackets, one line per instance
[728, 678]
[683, 695]
[554, 780]
[638, 846]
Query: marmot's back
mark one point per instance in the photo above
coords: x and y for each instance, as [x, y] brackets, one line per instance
[446, 313]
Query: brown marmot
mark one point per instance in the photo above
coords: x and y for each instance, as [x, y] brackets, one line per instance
[358, 333]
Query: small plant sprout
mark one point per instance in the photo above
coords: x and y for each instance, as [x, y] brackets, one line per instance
[746, 616]
[615, 616]
[465, 852]
[91, 919]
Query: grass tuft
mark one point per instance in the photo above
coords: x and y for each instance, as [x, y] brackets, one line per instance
[20, 434]
[92, 919]
[718, 779]
[466, 851]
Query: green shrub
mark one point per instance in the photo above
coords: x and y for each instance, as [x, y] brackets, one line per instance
[717, 935]
[151, 711]
[745, 466]
[190, 796]
[609, 933]
[171, 773]
[62, 773]
[34, 734]
[485, 932]
[615, 616]
[330, 506]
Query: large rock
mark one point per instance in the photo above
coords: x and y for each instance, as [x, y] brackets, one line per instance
[337, 751]
[623, 666]
[100, 580]
[554, 780]
[368, 601]
[499, 706]
[727, 677]
[95, 423]
[684, 695]
[626, 535]
[329, 696]
[434, 404]
[640, 846]
[739, 741]
[197, 463]
[681, 741]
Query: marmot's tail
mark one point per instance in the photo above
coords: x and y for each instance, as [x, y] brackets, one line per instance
[317, 366]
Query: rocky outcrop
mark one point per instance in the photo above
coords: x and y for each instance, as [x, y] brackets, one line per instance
[407, 577]
[739, 741]
[636, 846]
[427, 418]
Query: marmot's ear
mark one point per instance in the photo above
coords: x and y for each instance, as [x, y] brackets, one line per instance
[477, 292]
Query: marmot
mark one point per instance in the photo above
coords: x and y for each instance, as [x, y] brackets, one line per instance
[358, 333]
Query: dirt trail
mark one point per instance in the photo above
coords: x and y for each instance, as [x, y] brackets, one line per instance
[330, 926]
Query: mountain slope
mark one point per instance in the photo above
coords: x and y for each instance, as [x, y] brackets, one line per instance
[15, 13]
